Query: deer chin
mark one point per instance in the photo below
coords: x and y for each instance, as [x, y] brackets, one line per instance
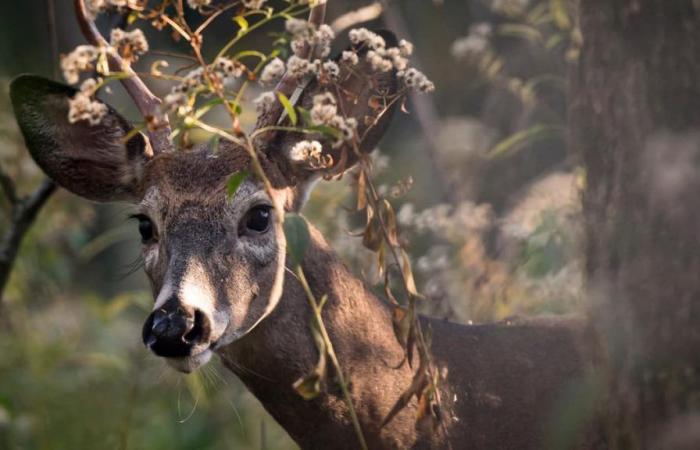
[189, 364]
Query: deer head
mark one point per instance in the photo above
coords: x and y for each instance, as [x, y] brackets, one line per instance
[213, 261]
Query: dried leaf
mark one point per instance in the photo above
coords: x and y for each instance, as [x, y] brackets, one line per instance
[417, 386]
[372, 237]
[408, 274]
[309, 387]
[390, 223]
[361, 190]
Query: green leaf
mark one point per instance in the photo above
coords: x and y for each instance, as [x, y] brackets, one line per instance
[296, 231]
[326, 130]
[517, 140]
[288, 107]
[234, 182]
[522, 31]
[560, 13]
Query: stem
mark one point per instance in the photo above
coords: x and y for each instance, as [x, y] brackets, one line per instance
[332, 356]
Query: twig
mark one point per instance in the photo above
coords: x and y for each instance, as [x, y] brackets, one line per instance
[8, 187]
[331, 354]
[23, 214]
[352, 18]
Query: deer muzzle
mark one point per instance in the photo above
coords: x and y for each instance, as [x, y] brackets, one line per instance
[175, 330]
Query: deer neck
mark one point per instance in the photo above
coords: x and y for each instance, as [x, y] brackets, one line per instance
[280, 350]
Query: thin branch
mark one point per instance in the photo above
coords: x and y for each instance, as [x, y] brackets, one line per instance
[352, 18]
[8, 187]
[23, 214]
[318, 319]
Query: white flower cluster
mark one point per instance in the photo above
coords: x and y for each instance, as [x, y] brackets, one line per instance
[306, 35]
[223, 70]
[83, 107]
[96, 7]
[447, 220]
[79, 60]
[253, 4]
[264, 102]
[325, 112]
[272, 72]
[385, 59]
[310, 153]
[198, 4]
[129, 44]
[415, 79]
[474, 44]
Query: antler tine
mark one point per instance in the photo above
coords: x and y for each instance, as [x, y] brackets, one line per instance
[147, 103]
[288, 83]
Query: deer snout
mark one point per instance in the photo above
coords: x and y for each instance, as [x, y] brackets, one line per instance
[174, 330]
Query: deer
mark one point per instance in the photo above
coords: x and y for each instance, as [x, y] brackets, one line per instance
[214, 262]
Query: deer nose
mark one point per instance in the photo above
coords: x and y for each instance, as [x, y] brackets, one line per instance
[174, 331]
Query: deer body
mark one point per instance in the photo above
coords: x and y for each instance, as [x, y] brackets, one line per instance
[502, 385]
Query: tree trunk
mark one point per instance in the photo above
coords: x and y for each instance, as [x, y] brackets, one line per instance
[635, 122]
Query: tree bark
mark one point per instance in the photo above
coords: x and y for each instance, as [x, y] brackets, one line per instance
[635, 122]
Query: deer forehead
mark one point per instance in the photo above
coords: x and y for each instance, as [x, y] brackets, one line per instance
[197, 181]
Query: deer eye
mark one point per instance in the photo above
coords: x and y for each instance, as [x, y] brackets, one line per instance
[146, 228]
[258, 219]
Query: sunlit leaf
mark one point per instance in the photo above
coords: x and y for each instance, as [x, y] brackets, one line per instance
[296, 231]
[242, 23]
[515, 141]
[560, 13]
[288, 107]
[408, 274]
[234, 182]
[522, 31]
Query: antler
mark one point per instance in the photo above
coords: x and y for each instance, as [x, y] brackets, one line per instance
[147, 103]
[288, 83]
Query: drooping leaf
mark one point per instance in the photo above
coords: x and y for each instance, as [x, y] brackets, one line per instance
[408, 274]
[560, 13]
[288, 107]
[296, 231]
[415, 389]
[234, 182]
[310, 386]
[390, 223]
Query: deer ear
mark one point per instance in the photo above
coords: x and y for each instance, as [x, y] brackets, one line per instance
[364, 95]
[93, 161]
